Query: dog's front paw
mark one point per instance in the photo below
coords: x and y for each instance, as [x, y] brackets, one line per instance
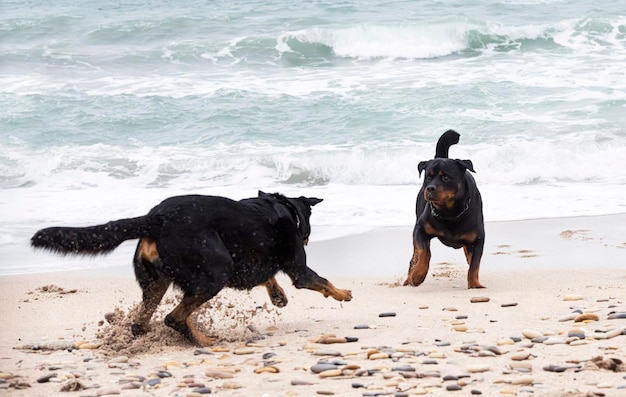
[344, 295]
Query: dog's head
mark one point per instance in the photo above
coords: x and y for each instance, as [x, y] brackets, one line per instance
[299, 209]
[444, 180]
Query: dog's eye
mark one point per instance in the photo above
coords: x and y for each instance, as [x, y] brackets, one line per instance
[445, 178]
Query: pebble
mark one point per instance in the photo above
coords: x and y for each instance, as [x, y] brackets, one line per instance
[453, 387]
[362, 326]
[321, 367]
[586, 317]
[570, 298]
[478, 368]
[510, 304]
[270, 369]
[298, 382]
[219, 374]
[329, 339]
[117, 360]
[479, 299]
[332, 353]
[531, 334]
[330, 373]
[568, 317]
[45, 378]
[523, 380]
[618, 315]
[521, 356]
[244, 350]
[152, 382]
[554, 340]
[387, 314]
[202, 390]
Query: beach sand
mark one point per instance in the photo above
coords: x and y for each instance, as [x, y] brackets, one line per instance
[69, 330]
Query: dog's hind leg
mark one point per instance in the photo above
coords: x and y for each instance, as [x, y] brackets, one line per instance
[153, 286]
[276, 293]
[180, 318]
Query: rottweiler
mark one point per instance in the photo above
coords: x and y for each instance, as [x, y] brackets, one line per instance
[202, 244]
[449, 207]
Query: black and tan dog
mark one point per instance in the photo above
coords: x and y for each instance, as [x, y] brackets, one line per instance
[203, 244]
[449, 207]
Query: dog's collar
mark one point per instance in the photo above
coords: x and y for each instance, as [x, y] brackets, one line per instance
[436, 214]
[293, 211]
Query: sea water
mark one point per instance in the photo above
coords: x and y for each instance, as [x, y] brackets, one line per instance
[107, 108]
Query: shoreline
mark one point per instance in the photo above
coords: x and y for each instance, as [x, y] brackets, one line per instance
[498, 234]
[524, 337]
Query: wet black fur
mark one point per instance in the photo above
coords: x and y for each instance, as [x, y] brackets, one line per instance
[467, 213]
[205, 243]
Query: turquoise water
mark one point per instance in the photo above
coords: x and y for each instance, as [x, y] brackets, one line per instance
[107, 109]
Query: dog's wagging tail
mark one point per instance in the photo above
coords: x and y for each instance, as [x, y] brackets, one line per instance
[203, 244]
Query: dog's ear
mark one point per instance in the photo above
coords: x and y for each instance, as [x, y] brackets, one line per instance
[466, 165]
[263, 194]
[422, 166]
[313, 201]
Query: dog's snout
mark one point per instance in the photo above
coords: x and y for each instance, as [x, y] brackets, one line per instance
[431, 188]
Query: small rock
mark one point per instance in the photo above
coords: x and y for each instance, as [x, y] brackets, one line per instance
[453, 387]
[523, 380]
[387, 314]
[361, 326]
[202, 390]
[479, 299]
[321, 367]
[231, 386]
[270, 369]
[521, 356]
[569, 298]
[568, 317]
[219, 374]
[531, 334]
[297, 382]
[478, 368]
[332, 353]
[330, 373]
[152, 382]
[586, 317]
[554, 340]
[511, 304]
[45, 378]
[243, 351]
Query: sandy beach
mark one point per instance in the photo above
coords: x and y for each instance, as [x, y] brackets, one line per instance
[551, 322]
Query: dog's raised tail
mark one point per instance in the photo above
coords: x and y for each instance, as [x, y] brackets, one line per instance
[90, 240]
[446, 140]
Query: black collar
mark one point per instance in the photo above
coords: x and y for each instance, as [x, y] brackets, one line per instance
[293, 211]
[434, 212]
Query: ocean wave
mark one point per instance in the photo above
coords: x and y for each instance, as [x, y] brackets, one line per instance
[460, 35]
[180, 40]
[588, 158]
